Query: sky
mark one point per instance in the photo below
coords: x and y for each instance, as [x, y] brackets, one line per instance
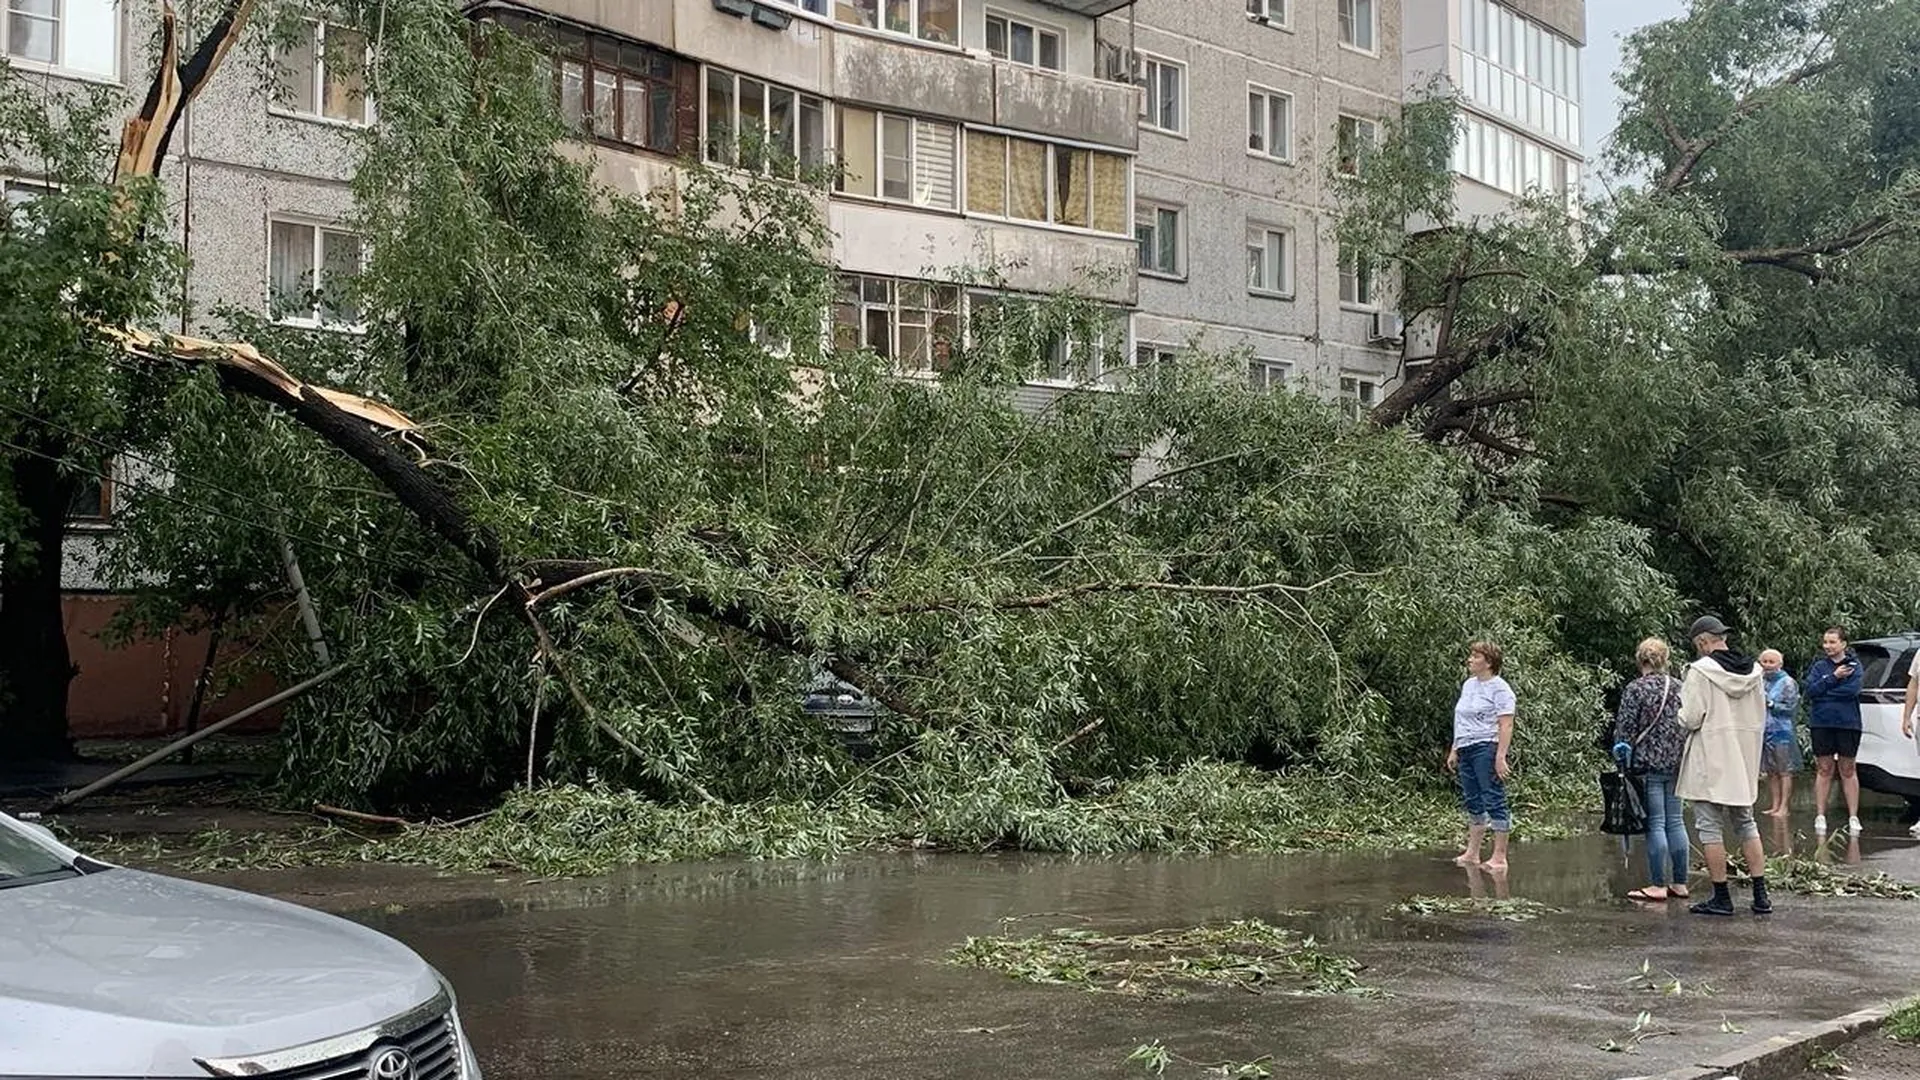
[1608, 21]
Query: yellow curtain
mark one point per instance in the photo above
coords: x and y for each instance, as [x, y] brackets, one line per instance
[986, 173]
[1027, 168]
[859, 169]
[1110, 193]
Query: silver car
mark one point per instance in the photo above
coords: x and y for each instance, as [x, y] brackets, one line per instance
[109, 973]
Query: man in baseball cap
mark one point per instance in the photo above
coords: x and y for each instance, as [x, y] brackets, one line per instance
[1723, 706]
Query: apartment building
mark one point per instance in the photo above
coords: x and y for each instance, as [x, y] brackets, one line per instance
[256, 179]
[1516, 65]
[1246, 107]
[973, 138]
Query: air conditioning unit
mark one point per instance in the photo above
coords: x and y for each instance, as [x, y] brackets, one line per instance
[1386, 327]
[1118, 64]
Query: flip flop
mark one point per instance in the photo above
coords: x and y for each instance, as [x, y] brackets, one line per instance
[1642, 894]
[1678, 892]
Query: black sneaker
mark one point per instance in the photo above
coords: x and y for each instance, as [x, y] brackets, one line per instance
[1762, 905]
[1718, 905]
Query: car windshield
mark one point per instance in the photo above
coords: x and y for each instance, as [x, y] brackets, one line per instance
[23, 860]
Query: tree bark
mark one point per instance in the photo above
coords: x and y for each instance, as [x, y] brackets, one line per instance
[36, 669]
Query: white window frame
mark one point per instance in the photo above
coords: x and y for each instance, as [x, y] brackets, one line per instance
[1366, 286]
[16, 208]
[1264, 234]
[1053, 148]
[914, 28]
[1363, 125]
[1270, 96]
[1262, 12]
[1037, 29]
[1346, 13]
[1360, 391]
[319, 86]
[914, 123]
[1150, 67]
[893, 354]
[1266, 374]
[62, 22]
[1148, 214]
[315, 319]
[801, 99]
[1156, 354]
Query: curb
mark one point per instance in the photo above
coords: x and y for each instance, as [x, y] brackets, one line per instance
[1783, 1055]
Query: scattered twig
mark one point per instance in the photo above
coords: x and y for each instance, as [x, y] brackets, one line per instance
[356, 815]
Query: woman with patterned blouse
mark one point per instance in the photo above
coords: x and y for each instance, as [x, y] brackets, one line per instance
[1646, 722]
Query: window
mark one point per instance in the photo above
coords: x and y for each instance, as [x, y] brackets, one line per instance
[1149, 358]
[620, 92]
[1036, 181]
[1071, 347]
[325, 74]
[1356, 24]
[16, 194]
[92, 501]
[1164, 99]
[912, 323]
[818, 7]
[1023, 42]
[310, 274]
[928, 20]
[1268, 375]
[1519, 69]
[1157, 228]
[1359, 394]
[760, 126]
[1271, 12]
[1269, 123]
[1269, 261]
[899, 158]
[1355, 138]
[74, 35]
[1356, 283]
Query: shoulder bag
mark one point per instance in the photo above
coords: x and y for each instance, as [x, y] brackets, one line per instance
[1623, 796]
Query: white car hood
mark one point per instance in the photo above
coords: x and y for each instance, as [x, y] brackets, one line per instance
[121, 973]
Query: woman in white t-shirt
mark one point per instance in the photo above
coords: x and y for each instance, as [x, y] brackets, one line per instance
[1482, 732]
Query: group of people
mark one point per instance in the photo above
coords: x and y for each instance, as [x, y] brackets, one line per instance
[1707, 739]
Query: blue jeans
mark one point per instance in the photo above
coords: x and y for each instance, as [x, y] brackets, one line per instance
[1482, 794]
[1666, 832]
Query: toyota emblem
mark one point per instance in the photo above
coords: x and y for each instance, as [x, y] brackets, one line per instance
[391, 1063]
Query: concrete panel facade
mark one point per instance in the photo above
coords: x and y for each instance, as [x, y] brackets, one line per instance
[1222, 189]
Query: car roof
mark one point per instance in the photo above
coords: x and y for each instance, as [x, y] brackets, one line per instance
[1905, 639]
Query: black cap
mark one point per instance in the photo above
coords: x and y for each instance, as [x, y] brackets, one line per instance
[1707, 624]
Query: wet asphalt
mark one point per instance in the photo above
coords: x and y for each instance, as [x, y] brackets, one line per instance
[834, 971]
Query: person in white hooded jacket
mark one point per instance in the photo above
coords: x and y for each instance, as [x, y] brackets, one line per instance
[1723, 707]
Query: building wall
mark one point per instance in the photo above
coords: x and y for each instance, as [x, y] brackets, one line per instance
[1221, 187]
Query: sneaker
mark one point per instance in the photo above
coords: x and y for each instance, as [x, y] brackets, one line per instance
[1854, 826]
[1819, 823]
[1762, 905]
[1716, 905]
[1914, 830]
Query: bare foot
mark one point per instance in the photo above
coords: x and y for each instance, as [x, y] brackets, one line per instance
[1776, 811]
[1467, 858]
[1678, 892]
[1495, 866]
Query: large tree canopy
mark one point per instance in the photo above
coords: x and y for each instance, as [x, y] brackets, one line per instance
[1719, 347]
[632, 498]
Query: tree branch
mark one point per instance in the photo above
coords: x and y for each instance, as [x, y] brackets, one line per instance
[1693, 150]
[1091, 588]
[1121, 497]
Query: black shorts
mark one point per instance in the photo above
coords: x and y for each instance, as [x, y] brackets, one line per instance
[1832, 741]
